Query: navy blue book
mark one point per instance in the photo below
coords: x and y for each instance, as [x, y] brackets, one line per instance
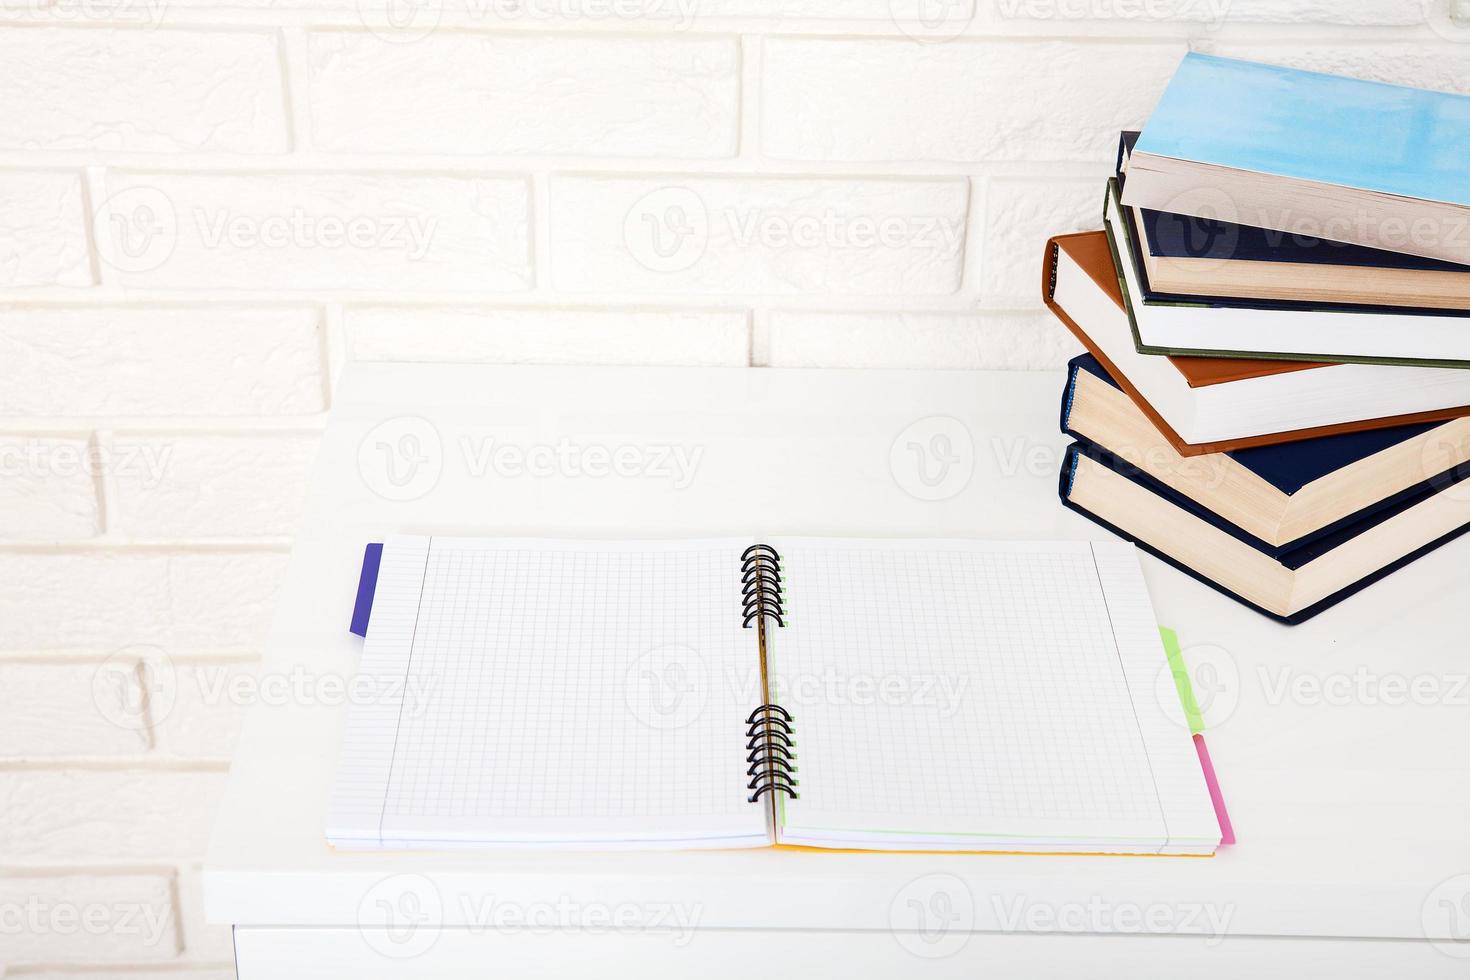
[1290, 501]
[1289, 529]
[1121, 498]
[1186, 258]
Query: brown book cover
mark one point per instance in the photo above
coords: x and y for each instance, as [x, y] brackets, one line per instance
[1089, 249]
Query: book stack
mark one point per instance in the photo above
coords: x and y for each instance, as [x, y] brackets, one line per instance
[1275, 397]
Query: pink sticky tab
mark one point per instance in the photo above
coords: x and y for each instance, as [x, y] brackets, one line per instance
[1227, 832]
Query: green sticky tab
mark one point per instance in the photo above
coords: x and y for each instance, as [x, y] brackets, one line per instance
[1181, 680]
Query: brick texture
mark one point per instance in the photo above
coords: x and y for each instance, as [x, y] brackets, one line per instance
[48, 489]
[43, 231]
[87, 816]
[758, 236]
[559, 336]
[494, 94]
[101, 918]
[102, 601]
[142, 90]
[883, 99]
[173, 485]
[311, 232]
[113, 361]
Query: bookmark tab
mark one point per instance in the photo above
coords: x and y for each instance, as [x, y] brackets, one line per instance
[1181, 681]
[367, 586]
[1212, 783]
[1196, 727]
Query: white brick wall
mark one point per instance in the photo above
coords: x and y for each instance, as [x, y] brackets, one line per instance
[860, 99]
[716, 338]
[757, 236]
[162, 91]
[206, 205]
[498, 94]
[160, 362]
[321, 232]
[43, 237]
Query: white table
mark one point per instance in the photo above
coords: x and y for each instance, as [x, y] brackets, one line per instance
[1350, 802]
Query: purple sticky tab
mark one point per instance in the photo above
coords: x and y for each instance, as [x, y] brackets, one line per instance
[367, 585]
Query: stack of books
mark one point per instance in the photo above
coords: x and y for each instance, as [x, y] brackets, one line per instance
[1275, 397]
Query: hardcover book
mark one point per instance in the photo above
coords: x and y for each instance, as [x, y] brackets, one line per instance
[1425, 338]
[1384, 166]
[1285, 497]
[1205, 405]
[1187, 257]
[1293, 587]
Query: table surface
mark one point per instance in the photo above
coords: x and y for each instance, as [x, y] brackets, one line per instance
[1340, 744]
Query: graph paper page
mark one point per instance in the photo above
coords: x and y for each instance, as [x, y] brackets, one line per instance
[978, 695]
[552, 692]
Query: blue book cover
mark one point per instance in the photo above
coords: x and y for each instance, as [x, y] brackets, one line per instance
[1310, 126]
[1289, 467]
[1069, 464]
[1184, 236]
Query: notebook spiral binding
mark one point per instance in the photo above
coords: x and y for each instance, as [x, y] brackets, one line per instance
[772, 755]
[760, 586]
[768, 730]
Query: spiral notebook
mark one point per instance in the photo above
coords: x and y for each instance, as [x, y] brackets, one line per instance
[829, 693]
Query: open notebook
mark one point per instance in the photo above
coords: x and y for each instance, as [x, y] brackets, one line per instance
[835, 693]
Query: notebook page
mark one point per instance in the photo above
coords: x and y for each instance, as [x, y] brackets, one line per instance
[976, 694]
[366, 755]
[1184, 797]
[555, 692]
